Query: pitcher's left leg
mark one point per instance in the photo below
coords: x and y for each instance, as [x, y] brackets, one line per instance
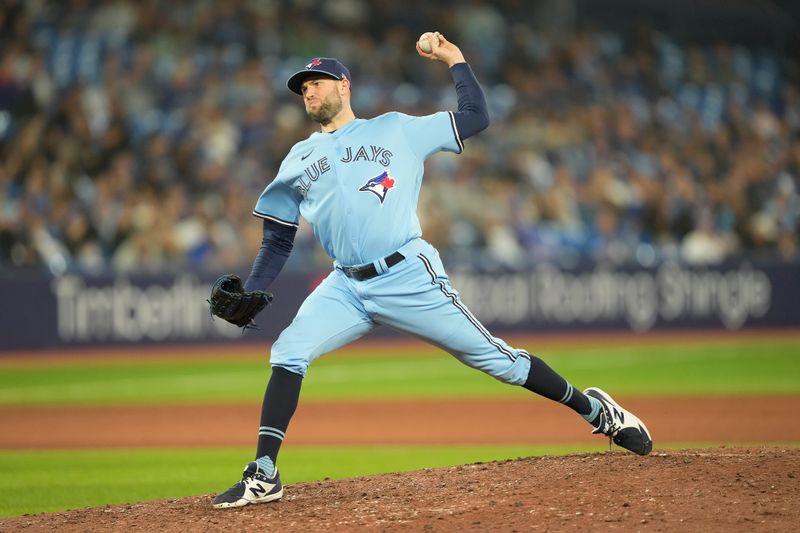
[428, 307]
[416, 297]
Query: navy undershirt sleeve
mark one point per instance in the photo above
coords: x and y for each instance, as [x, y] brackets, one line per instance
[473, 113]
[276, 245]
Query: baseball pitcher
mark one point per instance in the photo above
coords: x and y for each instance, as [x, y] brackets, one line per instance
[356, 182]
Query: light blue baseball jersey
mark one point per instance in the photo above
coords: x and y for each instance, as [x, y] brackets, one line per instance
[358, 186]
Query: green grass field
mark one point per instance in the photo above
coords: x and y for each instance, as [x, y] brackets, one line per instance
[731, 367]
[41, 481]
[51, 481]
[46, 481]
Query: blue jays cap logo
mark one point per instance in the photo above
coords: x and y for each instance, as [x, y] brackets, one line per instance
[314, 63]
[379, 185]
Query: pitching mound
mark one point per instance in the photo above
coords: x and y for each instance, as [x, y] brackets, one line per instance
[723, 489]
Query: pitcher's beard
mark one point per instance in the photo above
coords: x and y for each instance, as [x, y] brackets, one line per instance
[327, 112]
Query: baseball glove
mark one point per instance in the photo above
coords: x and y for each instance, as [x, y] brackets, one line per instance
[231, 302]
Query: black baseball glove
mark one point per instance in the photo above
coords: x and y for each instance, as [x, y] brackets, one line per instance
[231, 302]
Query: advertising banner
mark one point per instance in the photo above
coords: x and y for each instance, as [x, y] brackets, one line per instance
[73, 311]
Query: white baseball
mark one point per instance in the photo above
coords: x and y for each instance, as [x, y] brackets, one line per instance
[425, 41]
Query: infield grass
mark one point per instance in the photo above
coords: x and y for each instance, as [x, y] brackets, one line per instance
[738, 366]
[43, 481]
[47, 481]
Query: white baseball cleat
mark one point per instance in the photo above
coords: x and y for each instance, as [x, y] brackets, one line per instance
[620, 425]
[255, 487]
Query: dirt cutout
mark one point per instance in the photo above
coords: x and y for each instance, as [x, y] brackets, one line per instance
[721, 489]
[713, 420]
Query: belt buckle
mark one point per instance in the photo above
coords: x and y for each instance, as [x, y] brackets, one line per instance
[352, 272]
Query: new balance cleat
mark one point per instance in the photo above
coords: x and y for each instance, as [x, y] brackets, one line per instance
[255, 487]
[620, 425]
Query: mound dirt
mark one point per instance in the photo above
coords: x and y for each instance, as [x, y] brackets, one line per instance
[721, 489]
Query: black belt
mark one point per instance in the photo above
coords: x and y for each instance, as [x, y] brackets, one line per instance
[369, 271]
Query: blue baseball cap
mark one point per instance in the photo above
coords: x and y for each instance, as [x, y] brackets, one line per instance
[327, 66]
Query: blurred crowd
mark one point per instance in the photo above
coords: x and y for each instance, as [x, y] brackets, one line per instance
[137, 135]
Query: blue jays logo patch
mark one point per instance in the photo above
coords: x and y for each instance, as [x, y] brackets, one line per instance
[379, 185]
[314, 63]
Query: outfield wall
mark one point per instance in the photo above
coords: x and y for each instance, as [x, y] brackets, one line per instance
[72, 311]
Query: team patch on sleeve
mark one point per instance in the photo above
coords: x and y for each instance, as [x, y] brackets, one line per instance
[379, 185]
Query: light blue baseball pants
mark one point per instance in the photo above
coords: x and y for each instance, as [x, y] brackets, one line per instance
[414, 296]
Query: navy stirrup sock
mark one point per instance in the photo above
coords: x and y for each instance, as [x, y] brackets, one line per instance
[544, 381]
[280, 402]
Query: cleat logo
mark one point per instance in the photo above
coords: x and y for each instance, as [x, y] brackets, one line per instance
[619, 415]
[258, 490]
[379, 185]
